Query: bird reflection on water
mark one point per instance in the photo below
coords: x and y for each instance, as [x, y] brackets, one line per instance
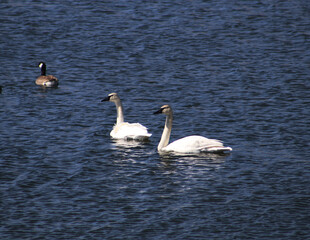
[122, 144]
[204, 159]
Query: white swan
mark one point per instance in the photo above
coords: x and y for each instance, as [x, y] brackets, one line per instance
[125, 130]
[190, 144]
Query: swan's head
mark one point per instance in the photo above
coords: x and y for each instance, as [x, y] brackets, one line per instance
[165, 109]
[112, 97]
[41, 64]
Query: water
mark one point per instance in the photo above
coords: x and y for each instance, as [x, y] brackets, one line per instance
[237, 71]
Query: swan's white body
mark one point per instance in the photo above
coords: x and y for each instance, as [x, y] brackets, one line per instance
[125, 130]
[134, 131]
[190, 144]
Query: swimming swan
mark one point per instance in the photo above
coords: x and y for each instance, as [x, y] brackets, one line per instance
[125, 130]
[46, 81]
[190, 144]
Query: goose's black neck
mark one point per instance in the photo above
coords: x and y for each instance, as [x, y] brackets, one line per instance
[43, 70]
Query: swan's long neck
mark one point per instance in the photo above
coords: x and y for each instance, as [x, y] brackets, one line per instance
[166, 133]
[119, 110]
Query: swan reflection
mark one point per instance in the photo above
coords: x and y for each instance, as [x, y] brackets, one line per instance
[127, 144]
[192, 164]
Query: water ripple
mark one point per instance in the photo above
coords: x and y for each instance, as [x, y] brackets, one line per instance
[233, 71]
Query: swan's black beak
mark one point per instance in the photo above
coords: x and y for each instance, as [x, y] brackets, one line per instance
[106, 99]
[159, 111]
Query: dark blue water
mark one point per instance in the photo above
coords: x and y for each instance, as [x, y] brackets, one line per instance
[238, 71]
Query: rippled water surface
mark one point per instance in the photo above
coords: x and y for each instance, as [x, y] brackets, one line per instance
[237, 71]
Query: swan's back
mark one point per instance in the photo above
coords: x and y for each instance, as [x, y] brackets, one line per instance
[127, 130]
[196, 144]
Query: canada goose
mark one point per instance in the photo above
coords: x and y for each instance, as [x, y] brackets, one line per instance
[0, 89]
[125, 130]
[190, 144]
[46, 81]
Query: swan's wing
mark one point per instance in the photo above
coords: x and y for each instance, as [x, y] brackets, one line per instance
[217, 149]
[196, 144]
[212, 146]
[127, 130]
